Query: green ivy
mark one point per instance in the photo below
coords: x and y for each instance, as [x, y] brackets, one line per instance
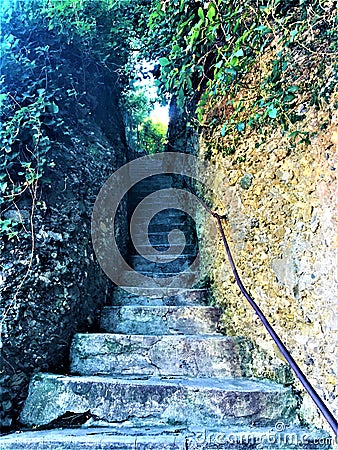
[48, 47]
[208, 50]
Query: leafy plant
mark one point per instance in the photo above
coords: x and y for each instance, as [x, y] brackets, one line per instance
[212, 51]
[49, 48]
[152, 136]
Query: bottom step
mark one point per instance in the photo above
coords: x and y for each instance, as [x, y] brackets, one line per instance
[122, 438]
[153, 401]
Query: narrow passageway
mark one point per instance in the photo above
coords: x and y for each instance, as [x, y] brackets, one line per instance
[159, 374]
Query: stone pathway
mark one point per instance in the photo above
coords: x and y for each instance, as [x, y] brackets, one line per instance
[159, 375]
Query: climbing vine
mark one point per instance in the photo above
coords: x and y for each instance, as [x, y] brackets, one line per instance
[253, 61]
[244, 63]
[41, 94]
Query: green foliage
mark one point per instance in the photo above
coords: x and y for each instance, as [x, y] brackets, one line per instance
[152, 136]
[48, 49]
[28, 108]
[143, 135]
[105, 28]
[208, 51]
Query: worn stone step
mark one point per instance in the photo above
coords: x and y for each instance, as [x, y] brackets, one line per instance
[144, 169]
[145, 402]
[167, 262]
[151, 185]
[161, 279]
[155, 199]
[163, 202]
[160, 233]
[160, 238]
[158, 181]
[165, 273]
[161, 196]
[156, 320]
[101, 438]
[189, 249]
[170, 438]
[146, 190]
[168, 213]
[160, 296]
[161, 223]
[182, 356]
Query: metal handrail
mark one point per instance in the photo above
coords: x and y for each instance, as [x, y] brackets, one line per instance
[294, 366]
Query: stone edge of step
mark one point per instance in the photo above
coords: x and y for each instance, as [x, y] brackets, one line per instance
[237, 384]
[124, 435]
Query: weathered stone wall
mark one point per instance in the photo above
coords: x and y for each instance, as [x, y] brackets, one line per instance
[64, 287]
[280, 200]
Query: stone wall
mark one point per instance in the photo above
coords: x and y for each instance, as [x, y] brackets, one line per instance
[51, 286]
[280, 200]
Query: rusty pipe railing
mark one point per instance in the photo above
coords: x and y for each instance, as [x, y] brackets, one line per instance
[287, 355]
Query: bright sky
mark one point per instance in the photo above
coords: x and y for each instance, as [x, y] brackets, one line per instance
[160, 114]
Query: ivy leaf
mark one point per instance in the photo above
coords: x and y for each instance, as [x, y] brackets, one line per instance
[52, 107]
[3, 187]
[288, 98]
[241, 126]
[273, 112]
[293, 88]
[201, 13]
[239, 53]
[164, 61]
[211, 12]
[293, 34]
[2, 98]
[223, 130]
[264, 29]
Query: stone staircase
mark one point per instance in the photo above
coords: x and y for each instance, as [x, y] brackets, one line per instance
[159, 375]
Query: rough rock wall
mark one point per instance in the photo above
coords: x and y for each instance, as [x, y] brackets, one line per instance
[280, 200]
[64, 287]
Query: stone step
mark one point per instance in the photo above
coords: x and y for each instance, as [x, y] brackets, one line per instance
[166, 214]
[160, 278]
[165, 273]
[156, 320]
[170, 438]
[167, 263]
[164, 197]
[165, 222]
[161, 230]
[165, 191]
[160, 237]
[158, 182]
[146, 249]
[145, 402]
[145, 190]
[179, 356]
[145, 170]
[160, 179]
[160, 296]
[101, 438]
[165, 201]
